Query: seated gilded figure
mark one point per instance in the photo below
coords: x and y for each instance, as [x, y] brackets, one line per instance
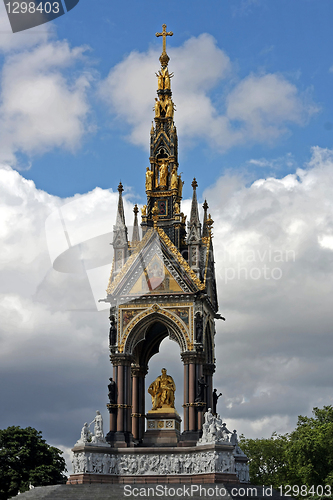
[162, 391]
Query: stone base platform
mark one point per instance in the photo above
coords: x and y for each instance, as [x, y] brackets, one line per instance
[211, 478]
[92, 491]
[207, 463]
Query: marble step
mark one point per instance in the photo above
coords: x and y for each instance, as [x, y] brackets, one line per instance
[116, 492]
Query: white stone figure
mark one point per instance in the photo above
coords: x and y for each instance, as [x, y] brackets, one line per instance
[226, 464]
[98, 435]
[214, 431]
[142, 464]
[98, 439]
[85, 436]
[175, 464]
[232, 464]
[106, 463]
[242, 471]
[113, 464]
[83, 462]
[132, 464]
[225, 432]
[76, 463]
[219, 427]
[188, 464]
[233, 438]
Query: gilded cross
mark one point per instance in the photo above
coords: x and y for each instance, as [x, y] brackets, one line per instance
[164, 33]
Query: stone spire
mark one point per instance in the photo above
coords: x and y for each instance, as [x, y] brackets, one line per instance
[136, 233]
[120, 238]
[120, 212]
[194, 226]
[194, 233]
[164, 185]
[205, 231]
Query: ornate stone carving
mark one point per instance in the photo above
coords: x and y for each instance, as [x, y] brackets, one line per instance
[85, 435]
[93, 439]
[161, 464]
[214, 431]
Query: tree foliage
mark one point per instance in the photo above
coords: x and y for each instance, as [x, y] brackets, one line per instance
[26, 458]
[303, 457]
[267, 459]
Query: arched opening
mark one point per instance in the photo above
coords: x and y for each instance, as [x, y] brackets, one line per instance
[157, 340]
[168, 356]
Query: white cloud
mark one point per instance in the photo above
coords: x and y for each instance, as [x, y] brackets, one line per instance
[264, 105]
[257, 109]
[41, 109]
[275, 270]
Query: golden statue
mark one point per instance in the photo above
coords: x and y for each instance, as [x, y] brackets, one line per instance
[162, 391]
[163, 174]
[174, 179]
[169, 108]
[160, 82]
[144, 211]
[149, 179]
[163, 79]
[167, 76]
[155, 209]
[177, 209]
[180, 186]
[157, 108]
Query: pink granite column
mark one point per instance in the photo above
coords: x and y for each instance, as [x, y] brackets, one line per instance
[186, 395]
[120, 417]
[192, 384]
[135, 403]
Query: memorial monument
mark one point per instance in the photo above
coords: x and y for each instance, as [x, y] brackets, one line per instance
[161, 286]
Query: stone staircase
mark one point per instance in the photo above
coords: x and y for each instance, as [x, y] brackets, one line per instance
[117, 492]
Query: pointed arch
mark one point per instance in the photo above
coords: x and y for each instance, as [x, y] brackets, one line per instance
[173, 328]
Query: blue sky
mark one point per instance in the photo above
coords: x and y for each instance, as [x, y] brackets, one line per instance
[291, 39]
[253, 91]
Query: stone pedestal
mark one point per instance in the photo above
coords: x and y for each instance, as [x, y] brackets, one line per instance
[163, 427]
[209, 463]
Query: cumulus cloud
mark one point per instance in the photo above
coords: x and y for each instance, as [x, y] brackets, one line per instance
[275, 283]
[257, 109]
[42, 106]
[41, 109]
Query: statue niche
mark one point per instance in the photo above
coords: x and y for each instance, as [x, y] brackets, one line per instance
[162, 391]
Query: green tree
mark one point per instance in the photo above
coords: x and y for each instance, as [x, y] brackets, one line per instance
[26, 458]
[267, 463]
[303, 457]
[310, 449]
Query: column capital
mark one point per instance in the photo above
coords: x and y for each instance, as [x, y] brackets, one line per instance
[189, 357]
[139, 371]
[119, 359]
